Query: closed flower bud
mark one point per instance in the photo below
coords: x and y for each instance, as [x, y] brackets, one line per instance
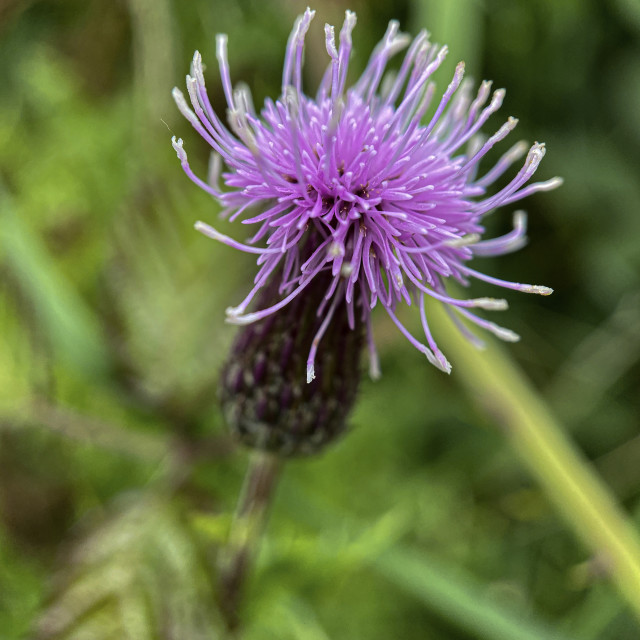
[271, 399]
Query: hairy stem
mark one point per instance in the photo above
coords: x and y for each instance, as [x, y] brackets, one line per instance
[246, 532]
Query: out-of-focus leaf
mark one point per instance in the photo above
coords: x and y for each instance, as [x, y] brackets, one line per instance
[630, 11]
[139, 576]
[60, 312]
[20, 589]
[16, 355]
[452, 594]
[456, 599]
[169, 315]
[458, 24]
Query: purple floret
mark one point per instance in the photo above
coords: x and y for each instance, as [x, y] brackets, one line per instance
[395, 198]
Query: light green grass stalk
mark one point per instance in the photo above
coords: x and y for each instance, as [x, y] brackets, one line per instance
[568, 479]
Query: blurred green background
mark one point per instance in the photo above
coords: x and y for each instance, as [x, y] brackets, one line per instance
[116, 476]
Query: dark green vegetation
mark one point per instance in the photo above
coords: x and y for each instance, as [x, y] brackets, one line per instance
[116, 476]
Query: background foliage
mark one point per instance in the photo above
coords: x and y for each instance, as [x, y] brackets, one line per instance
[116, 476]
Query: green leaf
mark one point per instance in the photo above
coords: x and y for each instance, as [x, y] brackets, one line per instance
[458, 24]
[63, 316]
[457, 599]
[454, 595]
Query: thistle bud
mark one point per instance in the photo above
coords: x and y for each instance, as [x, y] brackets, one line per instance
[266, 397]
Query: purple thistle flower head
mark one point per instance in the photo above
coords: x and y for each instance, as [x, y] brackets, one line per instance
[395, 201]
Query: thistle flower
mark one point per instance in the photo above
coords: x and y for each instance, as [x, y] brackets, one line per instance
[394, 201]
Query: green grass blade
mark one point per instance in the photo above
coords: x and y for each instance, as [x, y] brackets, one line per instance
[456, 599]
[66, 320]
[580, 496]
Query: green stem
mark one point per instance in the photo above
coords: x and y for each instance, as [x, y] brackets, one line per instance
[569, 480]
[246, 532]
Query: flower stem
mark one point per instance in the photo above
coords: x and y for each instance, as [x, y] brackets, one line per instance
[246, 532]
[568, 479]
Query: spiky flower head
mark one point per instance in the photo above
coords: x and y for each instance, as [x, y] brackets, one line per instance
[394, 199]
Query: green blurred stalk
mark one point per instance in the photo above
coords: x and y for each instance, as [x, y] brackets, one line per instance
[69, 324]
[153, 65]
[459, 601]
[568, 479]
[247, 527]
[459, 25]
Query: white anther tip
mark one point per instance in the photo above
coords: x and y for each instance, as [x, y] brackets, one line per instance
[518, 150]
[232, 312]
[553, 183]
[492, 304]
[463, 241]
[445, 365]
[182, 105]
[330, 37]
[221, 45]
[350, 17]
[178, 96]
[374, 369]
[335, 250]
[311, 374]
[438, 361]
[208, 231]
[346, 270]
[520, 220]
[539, 289]
[506, 334]
[196, 68]
[234, 316]
[177, 143]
